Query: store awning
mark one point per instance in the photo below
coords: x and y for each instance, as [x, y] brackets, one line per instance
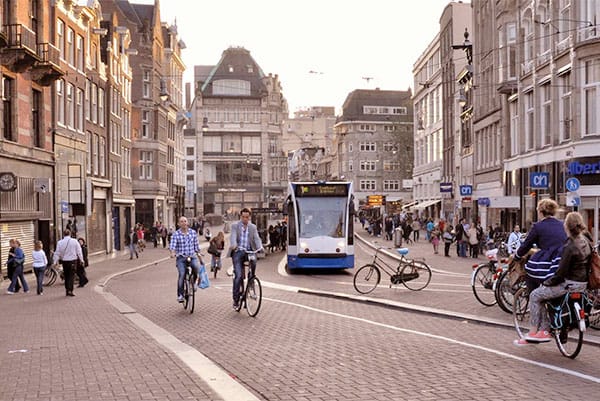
[426, 204]
[404, 207]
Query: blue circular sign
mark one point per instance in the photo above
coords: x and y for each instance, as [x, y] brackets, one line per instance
[572, 184]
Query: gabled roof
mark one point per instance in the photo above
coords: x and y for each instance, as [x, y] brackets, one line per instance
[234, 64]
[128, 10]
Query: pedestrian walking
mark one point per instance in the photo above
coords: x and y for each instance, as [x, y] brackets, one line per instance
[163, 234]
[473, 241]
[11, 264]
[18, 260]
[40, 261]
[448, 239]
[435, 238]
[416, 229]
[67, 253]
[82, 264]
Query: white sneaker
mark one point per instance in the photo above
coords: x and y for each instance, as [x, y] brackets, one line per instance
[180, 298]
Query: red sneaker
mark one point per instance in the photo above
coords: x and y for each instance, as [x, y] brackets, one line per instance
[541, 336]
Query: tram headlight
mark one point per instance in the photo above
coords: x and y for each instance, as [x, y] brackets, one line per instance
[341, 244]
[303, 245]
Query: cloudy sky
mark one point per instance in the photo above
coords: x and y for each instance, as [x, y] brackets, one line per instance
[341, 41]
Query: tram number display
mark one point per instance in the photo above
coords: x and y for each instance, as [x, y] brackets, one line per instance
[321, 190]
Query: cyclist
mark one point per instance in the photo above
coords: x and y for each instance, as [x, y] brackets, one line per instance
[571, 275]
[184, 242]
[244, 237]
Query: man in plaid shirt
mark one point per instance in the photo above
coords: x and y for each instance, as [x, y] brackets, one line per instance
[184, 243]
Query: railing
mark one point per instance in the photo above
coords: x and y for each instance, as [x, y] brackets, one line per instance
[527, 67]
[19, 36]
[48, 53]
[588, 33]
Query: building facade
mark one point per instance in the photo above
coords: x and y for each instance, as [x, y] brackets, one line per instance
[374, 144]
[234, 155]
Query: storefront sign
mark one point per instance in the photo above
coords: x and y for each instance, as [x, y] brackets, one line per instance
[577, 168]
[466, 190]
[539, 180]
[445, 187]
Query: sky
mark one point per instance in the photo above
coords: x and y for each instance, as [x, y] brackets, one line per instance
[321, 49]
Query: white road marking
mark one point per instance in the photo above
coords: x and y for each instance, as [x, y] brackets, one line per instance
[555, 368]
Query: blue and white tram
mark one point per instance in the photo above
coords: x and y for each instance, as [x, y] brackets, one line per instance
[320, 225]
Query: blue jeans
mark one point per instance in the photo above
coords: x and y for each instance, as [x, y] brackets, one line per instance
[18, 275]
[239, 257]
[180, 263]
[39, 276]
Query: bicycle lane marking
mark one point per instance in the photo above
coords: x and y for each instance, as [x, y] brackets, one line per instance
[555, 368]
[215, 377]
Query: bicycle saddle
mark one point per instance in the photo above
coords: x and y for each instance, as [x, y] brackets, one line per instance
[402, 251]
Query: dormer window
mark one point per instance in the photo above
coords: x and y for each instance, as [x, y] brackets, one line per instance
[250, 69]
[230, 68]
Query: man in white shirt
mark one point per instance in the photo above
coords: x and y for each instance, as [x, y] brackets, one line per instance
[68, 251]
[514, 240]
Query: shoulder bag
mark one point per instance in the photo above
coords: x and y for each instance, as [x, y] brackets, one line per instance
[594, 266]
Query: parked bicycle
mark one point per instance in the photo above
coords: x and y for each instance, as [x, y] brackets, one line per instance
[569, 316]
[413, 274]
[189, 285]
[251, 289]
[483, 278]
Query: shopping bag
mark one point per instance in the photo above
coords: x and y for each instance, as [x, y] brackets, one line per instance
[204, 282]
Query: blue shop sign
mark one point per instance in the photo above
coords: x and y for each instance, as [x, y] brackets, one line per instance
[578, 168]
[539, 180]
[483, 201]
[445, 187]
[466, 190]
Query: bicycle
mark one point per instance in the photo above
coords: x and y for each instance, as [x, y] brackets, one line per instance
[567, 313]
[484, 277]
[414, 275]
[251, 292]
[189, 284]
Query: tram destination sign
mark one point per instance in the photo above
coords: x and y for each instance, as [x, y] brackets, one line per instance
[321, 190]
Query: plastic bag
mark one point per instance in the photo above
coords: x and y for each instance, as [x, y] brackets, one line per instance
[204, 281]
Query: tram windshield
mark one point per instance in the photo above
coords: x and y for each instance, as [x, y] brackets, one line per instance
[322, 217]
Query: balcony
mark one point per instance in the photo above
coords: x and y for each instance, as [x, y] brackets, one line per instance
[20, 52]
[3, 38]
[47, 70]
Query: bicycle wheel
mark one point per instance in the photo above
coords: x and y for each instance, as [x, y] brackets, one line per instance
[569, 340]
[521, 312]
[594, 315]
[186, 292]
[253, 296]
[504, 292]
[367, 278]
[49, 277]
[191, 293]
[415, 275]
[482, 281]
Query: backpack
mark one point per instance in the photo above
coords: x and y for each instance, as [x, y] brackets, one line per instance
[594, 267]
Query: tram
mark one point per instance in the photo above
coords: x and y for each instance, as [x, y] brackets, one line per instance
[320, 231]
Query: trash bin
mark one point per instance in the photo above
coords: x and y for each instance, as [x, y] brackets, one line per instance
[398, 237]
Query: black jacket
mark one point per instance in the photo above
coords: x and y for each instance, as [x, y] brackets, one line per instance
[574, 261]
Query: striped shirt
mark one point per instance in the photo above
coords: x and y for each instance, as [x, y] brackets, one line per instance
[185, 244]
[244, 243]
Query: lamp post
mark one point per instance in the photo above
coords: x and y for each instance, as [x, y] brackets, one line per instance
[199, 202]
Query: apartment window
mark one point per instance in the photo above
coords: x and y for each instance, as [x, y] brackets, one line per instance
[60, 38]
[94, 56]
[366, 127]
[90, 151]
[101, 113]
[367, 185]
[350, 165]
[591, 91]
[368, 165]
[529, 120]
[146, 84]
[145, 124]
[189, 151]
[80, 59]
[126, 162]
[514, 127]
[8, 87]
[88, 99]
[545, 115]
[545, 25]
[529, 33]
[367, 147]
[79, 110]
[95, 161]
[189, 165]
[564, 19]
[350, 147]
[60, 101]
[102, 156]
[564, 106]
[94, 103]
[36, 121]
[146, 159]
[391, 185]
[507, 45]
[69, 110]
[391, 165]
[71, 46]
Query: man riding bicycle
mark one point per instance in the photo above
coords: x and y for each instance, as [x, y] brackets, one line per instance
[244, 237]
[184, 243]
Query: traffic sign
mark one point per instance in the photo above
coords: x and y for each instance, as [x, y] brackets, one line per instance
[573, 199]
[445, 187]
[572, 184]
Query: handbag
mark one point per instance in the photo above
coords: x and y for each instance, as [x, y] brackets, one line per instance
[204, 281]
[594, 276]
